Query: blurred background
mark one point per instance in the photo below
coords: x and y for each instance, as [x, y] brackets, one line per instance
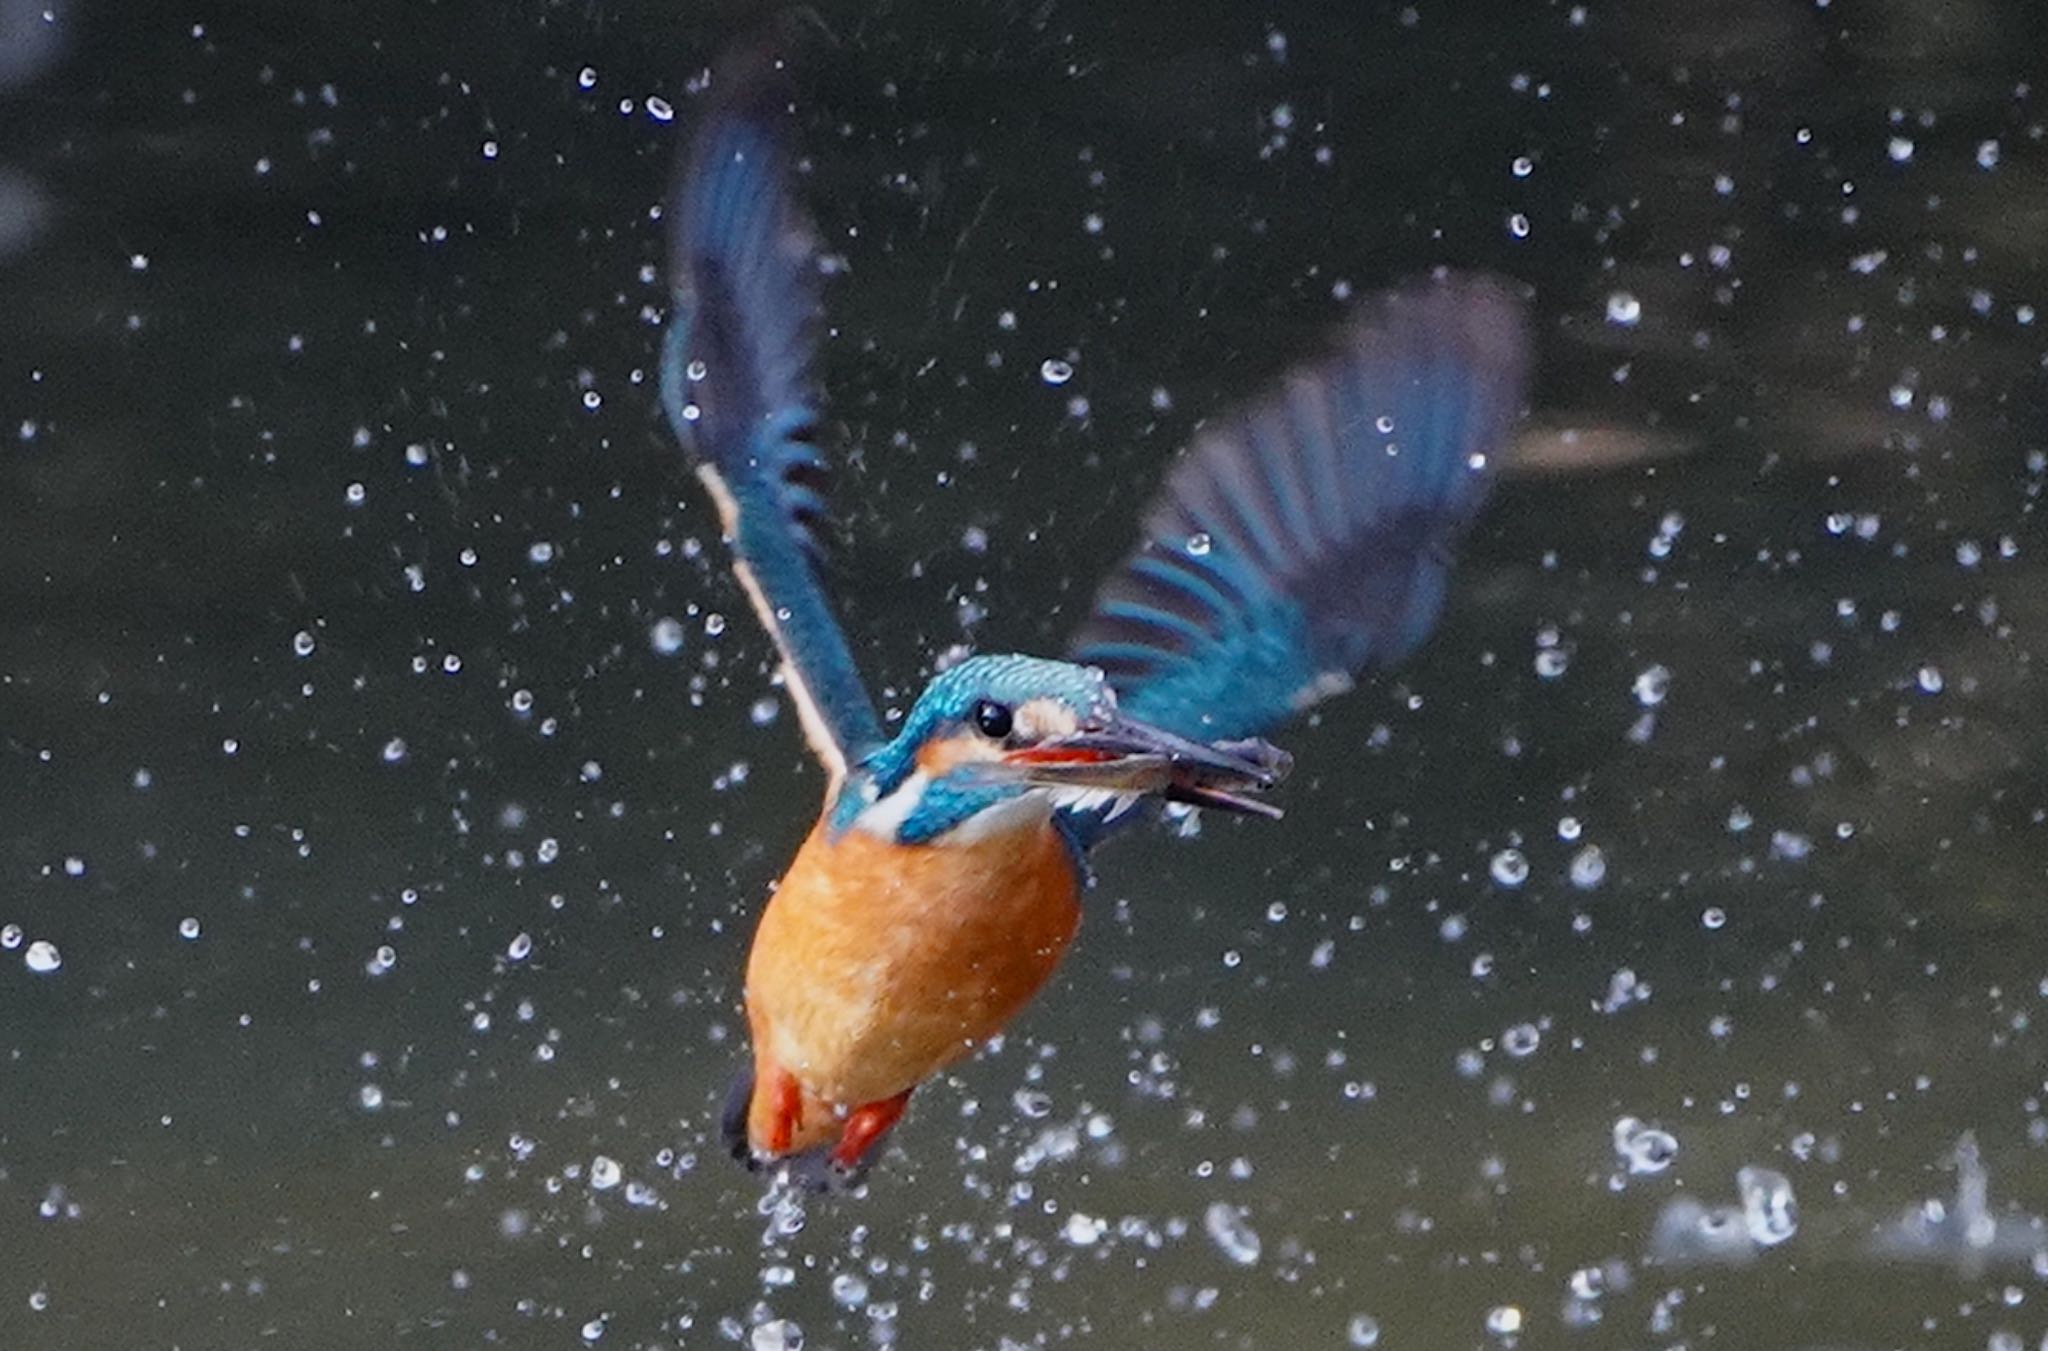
[389, 769]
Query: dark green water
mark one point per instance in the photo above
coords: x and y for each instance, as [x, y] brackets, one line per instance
[396, 879]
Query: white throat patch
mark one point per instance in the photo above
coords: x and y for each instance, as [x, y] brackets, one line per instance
[885, 816]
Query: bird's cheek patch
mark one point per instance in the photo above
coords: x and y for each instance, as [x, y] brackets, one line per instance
[1044, 719]
[942, 754]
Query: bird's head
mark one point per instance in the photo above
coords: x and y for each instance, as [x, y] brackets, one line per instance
[1000, 741]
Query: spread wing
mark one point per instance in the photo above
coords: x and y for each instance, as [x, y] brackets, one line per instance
[1309, 535]
[738, 387]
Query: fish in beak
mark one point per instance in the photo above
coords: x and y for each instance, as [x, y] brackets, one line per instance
[1125, 758]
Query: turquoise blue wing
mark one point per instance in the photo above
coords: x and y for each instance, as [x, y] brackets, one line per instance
[1309, 535]
[739, 390]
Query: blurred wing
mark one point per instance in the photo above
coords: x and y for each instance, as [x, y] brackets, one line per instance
[1310, 534]
[738, 388]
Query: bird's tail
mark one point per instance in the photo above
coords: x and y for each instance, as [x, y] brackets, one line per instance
[732, 1118]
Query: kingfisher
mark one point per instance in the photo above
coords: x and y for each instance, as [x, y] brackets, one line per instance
[1299, 540]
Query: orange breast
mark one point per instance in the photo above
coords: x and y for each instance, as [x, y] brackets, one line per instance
[876, 964]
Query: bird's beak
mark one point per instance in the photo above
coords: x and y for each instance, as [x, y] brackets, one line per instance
[1128, 756]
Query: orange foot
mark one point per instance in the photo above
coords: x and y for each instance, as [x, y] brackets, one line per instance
[786, 1099]
[842, 1167]
[774, 1112]
[867, 1125]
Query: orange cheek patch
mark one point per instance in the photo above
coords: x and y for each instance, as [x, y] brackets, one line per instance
[937, 756]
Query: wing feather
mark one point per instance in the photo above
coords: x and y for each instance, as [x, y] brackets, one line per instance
[1310, 535]
[739, 390]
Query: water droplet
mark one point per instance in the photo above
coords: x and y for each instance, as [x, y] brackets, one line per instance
[1769, 1210]
[370, 1098]
[849, 1290]
[1362, 1331]
[42, 957]
[778, 1334]
[1521, 1040]
[1504, 1320]
[1588, 867]
[188, 927]
[1623, 989]
[303, 643]
[1199, 544]
[1231, 1233]
[605, 1173]
[1055, 371]
[1623, 309]
[1083, 1231]
[1643, 1148]
[1587, 1283]
[666, 636]
[521, 946]
[1031, 1103]
[1651, 685]
[1509, 868]
[394, 751]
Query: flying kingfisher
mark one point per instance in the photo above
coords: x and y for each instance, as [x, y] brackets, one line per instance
[1299, 540]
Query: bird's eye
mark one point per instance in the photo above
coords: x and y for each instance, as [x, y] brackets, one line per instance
[992, 719]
